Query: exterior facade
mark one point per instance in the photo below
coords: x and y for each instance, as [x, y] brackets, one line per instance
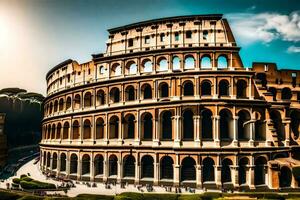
[170, 103]
[3, 142]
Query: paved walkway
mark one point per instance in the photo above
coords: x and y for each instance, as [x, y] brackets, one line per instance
[36, 174]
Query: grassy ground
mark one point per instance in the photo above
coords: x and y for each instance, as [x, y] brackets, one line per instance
[19, 195]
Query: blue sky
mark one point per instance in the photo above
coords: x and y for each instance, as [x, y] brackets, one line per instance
[35, 35]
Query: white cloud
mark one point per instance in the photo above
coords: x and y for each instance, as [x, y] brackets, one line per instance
[265, 27]
[293, 49]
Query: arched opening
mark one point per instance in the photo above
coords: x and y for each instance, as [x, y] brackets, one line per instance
[188, 125]
[285, 177]
[163, 65]
[273, 92]
[208, 170]
[68, 103]
[262, 78]
[49, 132]
[223, 88]
[129, 127]
[205, 62]
[277, 124]
[189, 62]
[241, 88]
[48, 159]
[75, 130]
[147, 126]
[164, 90]
[286, 94]
[147, 167]
[73, 164]
[53, 131]
[99, 128]
[176, 63]
[243, 125]
[102, 70]
[87, 129]
[131, 68]
[130, 93]
[55, 106]
[295, 123]
[116, 69]
[66, 130]
[222, 62]
[147, 91]
[166, 168]
[166, 124]
[147, 66]
[259, 126]
[225, 171]
[243, 170]
[54, 161]
[44, 159]
[206, 125]
[129, 166]
[77, 101]
[98, 162]
[61, 105]
[87, 99]
[188, 169]
[225, 124]
[115, 95]
[86, 164]
[114, 127]
[205, 88]
[58, 131]
[259, 171]
[101, 97]
[63, 162]
[113, 165]
[188, 88]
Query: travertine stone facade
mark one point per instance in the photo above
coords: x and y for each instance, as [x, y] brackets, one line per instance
[171, 103]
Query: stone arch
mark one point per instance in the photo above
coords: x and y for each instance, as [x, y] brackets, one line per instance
[53, 129]
[277, 123]
[113, 165]
[273, 91]
[51, 108]
[146, 91]
[224, 88]
[166, 168]
[205, 88]
[87, 99]
[129, 166]
[115, 95]
[68, 103]
[222, 62]
[114, 127]
[147, 65]
[208, 170]
[225, 124]
[116, 69]
[61, 104]
[295, 123]
[99, 128]
[48, 159]
[188, 88]
[75, 127]
[166, 124]
[226, 171]
[162, 64]
[85, 166]
[98, 164]
[206, 62]
[130, 93]
[188, 169]
[58, 131]
[243, 162]
[66, 130]
[63, 162]
[77, 101]
[73, 163]
[286, 93]
[188, 125]
[241, 89]
[189, 62]
[244, 125]
[55, 106]
[285, 177]
[131, 68]
[206, 126]
[87, 131]
[263, 78]
[163, 90]
[147, 126]
[101, 97]
[259, 125]
[54, 161]
[259, 170]
[129, 122]
[176, 63]
[147, 164]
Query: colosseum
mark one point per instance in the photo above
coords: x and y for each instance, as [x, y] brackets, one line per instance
[170, 103]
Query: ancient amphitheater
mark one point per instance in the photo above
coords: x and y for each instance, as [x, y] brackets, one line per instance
[170, 103]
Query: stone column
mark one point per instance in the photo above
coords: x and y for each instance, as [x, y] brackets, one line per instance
[51, 162]
[252, 133]
[199, 176]
[215, 85]
[235, 129]
[120, 171]
[92, 169]
[197, 129]
[235, 175]
[216, 134]
[58, 164]
[156, 173]
[218, 174]
[177, 171]
[137, 172]
[138, 129]
[79, 167]
[286, 122]
[121, 131]
[156, 132]
[105, 168]
[177, 124]
[251, 176]
[68, 165]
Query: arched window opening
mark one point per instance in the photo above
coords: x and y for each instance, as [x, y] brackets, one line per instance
[88, 99]
[115, 95]
[148, 66]
[147, 91]
[164, 90]
[259, 126]
[285, 177]
[87, 129]
[166, 168]
[259, 171]
[54, 161]
[207, 124]
[116, 69]
[68, 103]
[101, 97]
[77, 101]
[61, 105]
[206, 62]
[129, 166]
[163, 65]
[277, 124]
[48, 159]
[189, 62]
[147, 167]
[286, 94]
[75, 130]
[129, 127]
[58, 131]
[244, 125]
[85, 164]
[113, 165]
[225, 171]
[223, 88]
[243, 163]
[114, 127]
[73, 164]
[99, 128]
[295, 123]
[273, 92]
[222, 62]
[98, 165]
[131, 68]
[205, 88]
[176, 63]
[55, 106]
[66, 130]
[188, 125]
[205, 35]
[147, 126]
[241, 87]
[49, 132]
[188, 89]
[63, 162]
[130, 93]
[188, 169]
[262, 78]
[102, 70]
[208, 170]
[225, 124]
[53, 132]
[166, 125]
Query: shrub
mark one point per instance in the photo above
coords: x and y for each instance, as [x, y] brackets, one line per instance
[94, 197]
[16, 180]
[23, 175]
[36, 185]
[31, 198]
[26, 178]
[132, 196]
[152, 196]
[8, 195]
[190, 197]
